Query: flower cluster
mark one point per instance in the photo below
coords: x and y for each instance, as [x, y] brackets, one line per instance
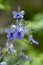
[18, 31]
[12, 33]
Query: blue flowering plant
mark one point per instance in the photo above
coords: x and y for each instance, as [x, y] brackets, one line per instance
[17, 32]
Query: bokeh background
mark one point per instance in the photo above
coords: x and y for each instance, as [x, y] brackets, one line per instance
[33, 14]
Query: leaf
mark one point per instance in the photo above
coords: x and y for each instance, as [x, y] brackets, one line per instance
[36, 25]
[38, 17]
[4, 6]
[37, 22]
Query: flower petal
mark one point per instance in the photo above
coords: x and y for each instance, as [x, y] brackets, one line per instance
[3, 63]
[14, 12]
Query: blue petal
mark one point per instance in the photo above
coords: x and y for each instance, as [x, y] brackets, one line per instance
[14, 12]
[18, 14]
[20, 35]
[32, 40]
[35, 42]
[22, 13]
[10, 36]
[3, 63]
[7, 30]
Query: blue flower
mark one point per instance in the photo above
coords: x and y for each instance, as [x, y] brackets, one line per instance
[11, 34]
[3, 63]
[20, 32]
[20, 35]
[32, 40]
[18, 14]
[16, 31]
[35, 42]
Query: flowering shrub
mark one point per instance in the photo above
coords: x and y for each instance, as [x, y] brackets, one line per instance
[17, 32]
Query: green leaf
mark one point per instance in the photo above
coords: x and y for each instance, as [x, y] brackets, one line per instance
[38, 17]
[4, 5]
[37, 22]
[36, 25]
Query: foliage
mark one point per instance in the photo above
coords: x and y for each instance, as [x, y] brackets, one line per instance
[4, 5]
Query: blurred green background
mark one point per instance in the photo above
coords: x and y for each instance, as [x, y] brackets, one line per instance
[33, 15]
